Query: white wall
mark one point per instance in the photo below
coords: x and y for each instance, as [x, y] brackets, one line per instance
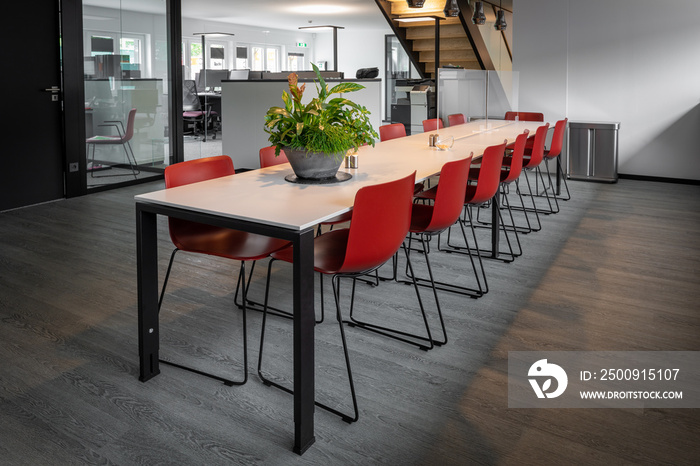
[253, 35]
[363, 49]
[631, 61]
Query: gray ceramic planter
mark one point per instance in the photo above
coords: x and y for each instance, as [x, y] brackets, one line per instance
[314, 165]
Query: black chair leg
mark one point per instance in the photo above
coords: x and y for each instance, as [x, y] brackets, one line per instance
[424, 342]
[268, 382]
[451, 248]
[226, 381]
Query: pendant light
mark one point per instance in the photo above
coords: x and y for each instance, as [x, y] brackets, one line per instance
[451, 8]
[500, 21]
[479, 17]
[415, 3]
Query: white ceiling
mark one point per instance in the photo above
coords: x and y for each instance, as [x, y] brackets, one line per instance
[275, 14]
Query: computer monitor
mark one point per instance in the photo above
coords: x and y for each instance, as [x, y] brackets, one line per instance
[239, 75]
[210, 80]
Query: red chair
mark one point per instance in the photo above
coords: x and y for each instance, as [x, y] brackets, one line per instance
[358, 250]
[482, 192]
[268, 157]
[392, 131]
[510, 172]
[524, 116]
[428, 220]
[531, 161]
[456, 119]
[396, 131]
[122, 137]
[554, 152]
[432, 125]
[200, 238]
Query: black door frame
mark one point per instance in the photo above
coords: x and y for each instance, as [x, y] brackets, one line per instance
[75, 166]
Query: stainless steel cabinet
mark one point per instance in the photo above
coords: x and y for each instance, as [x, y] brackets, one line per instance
[593, 150]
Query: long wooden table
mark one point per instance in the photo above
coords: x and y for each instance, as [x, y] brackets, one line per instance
[262, 202]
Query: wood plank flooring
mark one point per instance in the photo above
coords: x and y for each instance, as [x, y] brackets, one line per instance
[617, 269]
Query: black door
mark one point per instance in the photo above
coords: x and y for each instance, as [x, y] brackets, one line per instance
[31, 154]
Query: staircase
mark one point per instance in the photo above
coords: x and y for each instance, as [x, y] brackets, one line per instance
[458, 46]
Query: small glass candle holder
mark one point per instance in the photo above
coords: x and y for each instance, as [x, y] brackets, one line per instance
[444, 142]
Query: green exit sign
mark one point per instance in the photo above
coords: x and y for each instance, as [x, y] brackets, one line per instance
[302, 44]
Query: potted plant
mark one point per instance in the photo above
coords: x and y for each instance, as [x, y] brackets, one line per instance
[316, 136]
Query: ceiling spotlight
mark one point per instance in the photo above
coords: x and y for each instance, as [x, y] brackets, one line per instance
[479, 17]
[451, 8]
[415, 3]
[500, 21]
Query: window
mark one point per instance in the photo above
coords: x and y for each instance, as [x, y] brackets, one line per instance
[195, 55]
[242, 58]
[217, 57]
[295, 61]
[266, 58]
[130, 47]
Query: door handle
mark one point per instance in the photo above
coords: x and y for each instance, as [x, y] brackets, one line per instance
[53, 89]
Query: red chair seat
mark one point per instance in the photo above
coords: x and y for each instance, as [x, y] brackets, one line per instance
[329, 251]
[420, 217]
[196, 114]
[342, 218]
[223, 242]
[428, 194]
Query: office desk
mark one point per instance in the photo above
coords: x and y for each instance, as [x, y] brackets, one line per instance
[262, 202]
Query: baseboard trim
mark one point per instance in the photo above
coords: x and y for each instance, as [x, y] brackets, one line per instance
[659, 179]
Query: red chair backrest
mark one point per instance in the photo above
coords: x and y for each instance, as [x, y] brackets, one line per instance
[449, 198]
[489, 174]
[196, 170]
[189, 172]
[129, 131]
[432, 124]
[516, 162]
[392, 131]
[524, 116]
[456, 119]
[381, 218]
[557, 139]
[268, 158]
[537, 151]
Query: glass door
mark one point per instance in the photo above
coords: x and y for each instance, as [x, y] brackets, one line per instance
[125, 81]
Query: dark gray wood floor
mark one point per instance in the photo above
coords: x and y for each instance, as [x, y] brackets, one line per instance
[617, 269]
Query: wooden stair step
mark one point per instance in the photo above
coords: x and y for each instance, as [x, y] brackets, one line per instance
[428, 32]
[425, 45]
[464, 54]
[470, 65]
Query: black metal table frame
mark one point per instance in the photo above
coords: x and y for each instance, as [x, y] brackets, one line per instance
[303, 302]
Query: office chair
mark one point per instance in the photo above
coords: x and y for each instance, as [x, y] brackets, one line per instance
[194, 113]
[392, 131]
[123, 137]
[432, 124]
[269, 159]
[524, 116]
[200, 238]
[456, 119]
[356, 251]
[483, 191]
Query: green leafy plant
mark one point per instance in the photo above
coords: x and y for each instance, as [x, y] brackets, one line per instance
[326, 127]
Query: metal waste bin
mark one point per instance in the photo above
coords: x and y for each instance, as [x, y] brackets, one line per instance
[593, 151]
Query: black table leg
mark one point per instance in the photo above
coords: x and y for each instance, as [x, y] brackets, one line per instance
[304, 341]
[495, 226]
[147, 266]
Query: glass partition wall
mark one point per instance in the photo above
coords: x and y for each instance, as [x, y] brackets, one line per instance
[478, 95]
[126, 79]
